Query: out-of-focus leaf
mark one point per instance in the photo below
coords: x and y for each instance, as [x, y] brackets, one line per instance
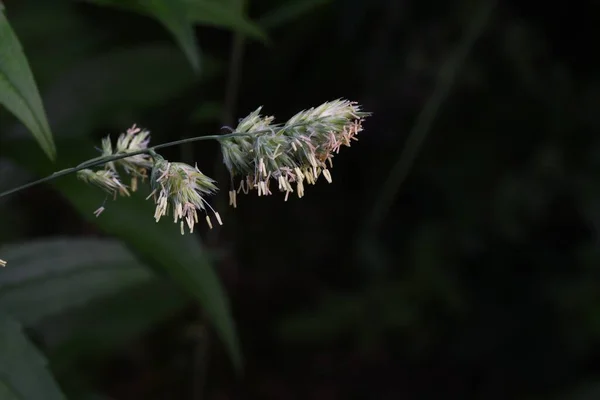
[30, 21]
[289, 11]
[6, 393]
[220, 14]
[131, 219]
[48, 277]
[23, 373]
[104, 325]
[172, 14]
[18, 91]
[216, 13]
[117, 84]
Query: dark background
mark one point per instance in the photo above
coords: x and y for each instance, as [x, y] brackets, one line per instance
[479, 280]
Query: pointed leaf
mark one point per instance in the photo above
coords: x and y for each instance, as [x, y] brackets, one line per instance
[23, 373]
[47, 277]
[218, 13]
[172, 15]
[18, 91]
[112, 86]
[127, 79]
[131, 219]
[31, 25]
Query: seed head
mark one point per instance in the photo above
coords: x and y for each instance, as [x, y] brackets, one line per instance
[105, 179]
[236, 149]
[181, 188]
[2, 263]
[298, 151]
[135, 139]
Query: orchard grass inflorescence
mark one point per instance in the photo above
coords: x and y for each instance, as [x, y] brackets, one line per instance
[256, 153]
[299, 151]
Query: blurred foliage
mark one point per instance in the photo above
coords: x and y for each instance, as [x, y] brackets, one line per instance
[71, 273]
[23, 373]
[482, 281]
[171, 14]
[18, 91]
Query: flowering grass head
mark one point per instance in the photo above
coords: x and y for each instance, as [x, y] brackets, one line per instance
[106, 179]
[183, 189]
[259, 154]
[134, 140]
[236, 149]
[298, 151]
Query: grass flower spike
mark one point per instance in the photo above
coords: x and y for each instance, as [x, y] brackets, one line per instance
[135, 139]
[136, 165]
[236, 150]
[259, 154]
[182, 188]
[2, 263]
[106, 179]
[298, 151]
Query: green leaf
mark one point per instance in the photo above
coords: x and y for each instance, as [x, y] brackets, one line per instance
[104, 325]
[131, 219]
[219, 14]
[18, 91]
[31, 24]
[48, 277]
[216, 13]
[289, 11]
[6, 393]
[23, 373]
[116, 85]
[172, 14]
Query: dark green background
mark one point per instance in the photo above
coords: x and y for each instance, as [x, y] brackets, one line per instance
[482, 281]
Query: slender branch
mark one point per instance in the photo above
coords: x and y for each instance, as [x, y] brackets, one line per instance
[104, 160]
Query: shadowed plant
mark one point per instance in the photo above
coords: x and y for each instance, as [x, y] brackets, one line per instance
[258, 151]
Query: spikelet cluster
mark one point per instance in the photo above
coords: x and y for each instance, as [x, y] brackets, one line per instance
[136, 166]
[106, 179]
[259, 156]
[289, 155]
[178, 187]
[182, 189]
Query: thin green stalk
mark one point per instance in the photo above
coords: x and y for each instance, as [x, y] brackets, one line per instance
[104, 160]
